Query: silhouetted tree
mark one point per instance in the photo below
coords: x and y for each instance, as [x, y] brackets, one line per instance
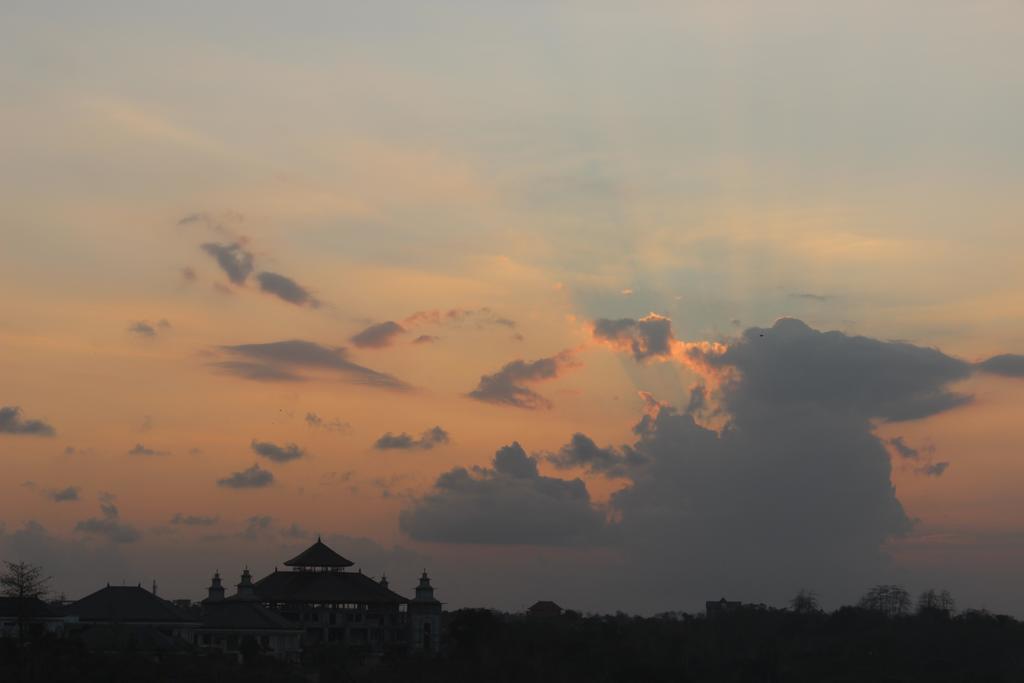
[932, 601]
[24, 582]
[804, 602]
[890, 600]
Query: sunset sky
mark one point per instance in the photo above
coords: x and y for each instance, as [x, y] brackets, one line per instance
[621, 305]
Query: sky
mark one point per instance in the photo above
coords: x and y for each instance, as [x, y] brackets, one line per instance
[625, 306]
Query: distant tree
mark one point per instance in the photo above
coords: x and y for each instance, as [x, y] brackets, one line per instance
[890, 600]
[805, 602]
[23, 582]
[932, 601]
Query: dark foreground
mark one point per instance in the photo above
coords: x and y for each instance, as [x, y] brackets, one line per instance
[753, 645]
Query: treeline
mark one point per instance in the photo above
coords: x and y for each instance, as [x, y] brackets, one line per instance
[748, 645]
[887, 638]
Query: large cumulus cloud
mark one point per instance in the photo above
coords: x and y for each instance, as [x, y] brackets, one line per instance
[787, 487]
[507, 503]
[793, 365]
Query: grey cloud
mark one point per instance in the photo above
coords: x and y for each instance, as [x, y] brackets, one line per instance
[251, 478]
[194, 520]
[1006, 365]
[11, 422]
[110, 529]
[935, 469]
[792, 364]
[272, 451]
[901, 447]
[425, 339]
[335, 425]
[233, 259]
[506, 386]
[107, 506]
[507, 503]
[109, 526]
[581, 451]
[648, 337]
[188, 274]
[795, 487]
[287, 289]
[379, 335]
[427, 440]
[142, 328]
[216, 221]
[281, 360]
[64, 495]
[139, 449]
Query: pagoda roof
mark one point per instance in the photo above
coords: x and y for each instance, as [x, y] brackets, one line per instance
[318, 555]
[313, 586]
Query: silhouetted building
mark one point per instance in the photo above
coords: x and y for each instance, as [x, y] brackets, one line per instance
[544, 609]
[325, 604]
[240, 623]
[116, 618]
[425, 617]
[717, 608]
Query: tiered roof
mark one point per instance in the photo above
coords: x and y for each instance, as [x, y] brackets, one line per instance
[339, 587]
[318, 555]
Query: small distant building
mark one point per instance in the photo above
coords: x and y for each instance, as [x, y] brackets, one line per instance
[36, 616]
[717, 608]
[544, 609]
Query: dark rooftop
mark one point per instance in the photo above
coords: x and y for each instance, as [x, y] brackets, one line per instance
[127, 604]
[318, 555]
[300, 586]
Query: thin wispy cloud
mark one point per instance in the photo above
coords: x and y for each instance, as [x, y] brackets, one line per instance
[295, 359]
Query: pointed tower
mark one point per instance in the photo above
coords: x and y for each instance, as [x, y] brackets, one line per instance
[215, 592]
[425, 617]
[424, 591]
[245, 590]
